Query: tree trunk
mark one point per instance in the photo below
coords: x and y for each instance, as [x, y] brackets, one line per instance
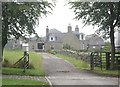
[3, 45]
[4, 41]
[112, 66]
[4, 33]
[4, 38]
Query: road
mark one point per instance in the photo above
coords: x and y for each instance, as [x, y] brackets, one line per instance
[61, 72]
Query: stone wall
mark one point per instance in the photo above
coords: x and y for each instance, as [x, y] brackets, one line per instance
[85, 56]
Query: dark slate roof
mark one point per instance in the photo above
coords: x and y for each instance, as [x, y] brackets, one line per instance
[59, 35]
[54, 31]
[94, 39]
[43, 39]
[75, 32]
[90, 36]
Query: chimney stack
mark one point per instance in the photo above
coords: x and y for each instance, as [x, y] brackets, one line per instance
[47, 33]
[77, 28]
[69, 28]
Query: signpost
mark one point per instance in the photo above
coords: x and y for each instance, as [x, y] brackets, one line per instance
[26, 55]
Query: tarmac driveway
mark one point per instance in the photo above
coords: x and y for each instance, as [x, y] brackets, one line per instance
[61, 72]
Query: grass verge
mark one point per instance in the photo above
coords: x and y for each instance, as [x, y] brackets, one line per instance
[81, 65]
[8, 81]
[105, 72]
[78, 64]
[18, 71]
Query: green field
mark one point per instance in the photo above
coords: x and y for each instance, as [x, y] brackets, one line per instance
[14, 55]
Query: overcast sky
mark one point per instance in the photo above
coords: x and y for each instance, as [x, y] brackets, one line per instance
[60, 18]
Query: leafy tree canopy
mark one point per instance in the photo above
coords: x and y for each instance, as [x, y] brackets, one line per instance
[20, 18]
[106, 15]
[101, 14]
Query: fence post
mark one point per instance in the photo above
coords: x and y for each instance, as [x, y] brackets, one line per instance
[107, 60]
[28, 61]
[25, 60]
[101, 60]
[91, 62]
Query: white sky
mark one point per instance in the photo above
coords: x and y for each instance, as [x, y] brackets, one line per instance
[61, 17]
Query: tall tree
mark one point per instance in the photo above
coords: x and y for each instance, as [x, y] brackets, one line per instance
[105, 15]
[19, 19]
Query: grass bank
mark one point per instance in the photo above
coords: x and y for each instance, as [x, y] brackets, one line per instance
[14, 55]
[81, 65]
[77, 63]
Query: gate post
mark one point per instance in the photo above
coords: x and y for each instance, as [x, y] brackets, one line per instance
[26, 57]
[91, 62]
[107, 60]
[25, 54]
[101, 60]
